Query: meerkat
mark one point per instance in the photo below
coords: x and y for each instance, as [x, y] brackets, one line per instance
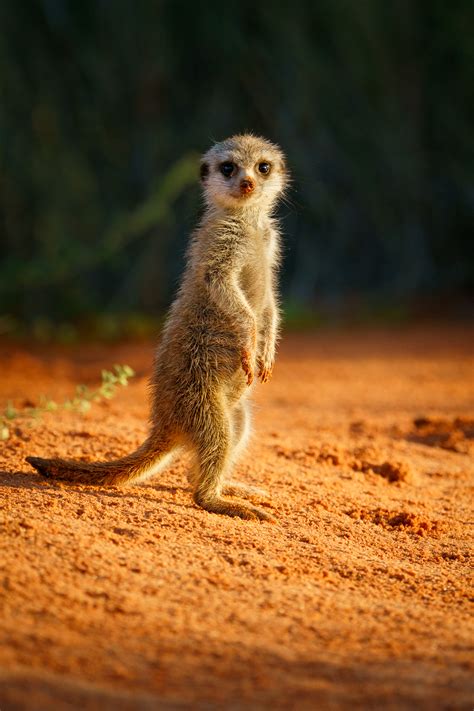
[219, 337]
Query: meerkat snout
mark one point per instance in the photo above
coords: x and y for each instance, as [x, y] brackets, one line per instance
[246, 186]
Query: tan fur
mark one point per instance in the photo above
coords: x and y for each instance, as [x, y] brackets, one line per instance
[219, 337]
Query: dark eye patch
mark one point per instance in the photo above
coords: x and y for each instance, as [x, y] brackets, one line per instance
[204, 171]
[227, 168]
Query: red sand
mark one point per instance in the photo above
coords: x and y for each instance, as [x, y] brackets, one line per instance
[359, 596]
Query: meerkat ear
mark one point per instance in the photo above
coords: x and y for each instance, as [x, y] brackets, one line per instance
[204, 171]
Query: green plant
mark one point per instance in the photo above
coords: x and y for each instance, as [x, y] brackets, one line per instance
[81, 402]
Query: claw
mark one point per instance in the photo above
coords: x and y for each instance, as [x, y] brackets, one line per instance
[264, 372]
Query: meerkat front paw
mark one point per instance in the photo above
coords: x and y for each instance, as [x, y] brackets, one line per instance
[247, 353]
[265, 369]
[246, 365]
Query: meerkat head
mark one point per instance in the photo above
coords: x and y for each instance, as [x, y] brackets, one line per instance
[243, 171]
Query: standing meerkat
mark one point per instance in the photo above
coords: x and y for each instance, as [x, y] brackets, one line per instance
[220, 335]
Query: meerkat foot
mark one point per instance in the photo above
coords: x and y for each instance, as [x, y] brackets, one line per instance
[231, 508]
[238, 488]
[246, 367]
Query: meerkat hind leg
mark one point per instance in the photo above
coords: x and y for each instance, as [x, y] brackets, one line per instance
[240, 434]
[214, 455]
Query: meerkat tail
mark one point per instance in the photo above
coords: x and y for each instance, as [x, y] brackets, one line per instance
[148, 459]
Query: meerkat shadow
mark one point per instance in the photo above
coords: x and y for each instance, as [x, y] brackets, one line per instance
[20, 479]
[170, 488]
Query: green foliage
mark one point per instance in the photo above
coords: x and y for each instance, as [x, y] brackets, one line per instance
[81, 402]
[74, 259]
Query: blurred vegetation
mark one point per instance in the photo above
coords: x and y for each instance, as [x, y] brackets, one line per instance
[104, 106]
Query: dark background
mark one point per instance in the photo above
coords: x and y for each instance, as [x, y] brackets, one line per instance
[106, 104]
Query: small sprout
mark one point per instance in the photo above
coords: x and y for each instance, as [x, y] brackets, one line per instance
[81, 402]
[107, 390]
[123, 373]
[84, 406]
[110, 380]
[82, 391]
[10, 411]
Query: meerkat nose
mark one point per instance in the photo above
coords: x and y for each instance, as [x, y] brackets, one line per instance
[246, 186]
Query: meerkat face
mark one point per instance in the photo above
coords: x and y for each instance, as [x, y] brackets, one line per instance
[243, 171]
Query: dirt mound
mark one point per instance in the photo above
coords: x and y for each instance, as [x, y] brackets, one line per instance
[454, 434]
[403, 520]
[356, 459]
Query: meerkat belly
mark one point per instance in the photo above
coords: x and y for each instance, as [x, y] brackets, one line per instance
[253, 281]
[203, 342]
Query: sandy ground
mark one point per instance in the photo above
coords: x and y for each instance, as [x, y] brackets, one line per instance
[357, 598]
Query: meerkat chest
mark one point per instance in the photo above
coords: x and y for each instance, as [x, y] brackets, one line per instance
[256, 275]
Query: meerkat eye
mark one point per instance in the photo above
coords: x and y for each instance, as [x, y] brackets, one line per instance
[264, 168]
[227, 168]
